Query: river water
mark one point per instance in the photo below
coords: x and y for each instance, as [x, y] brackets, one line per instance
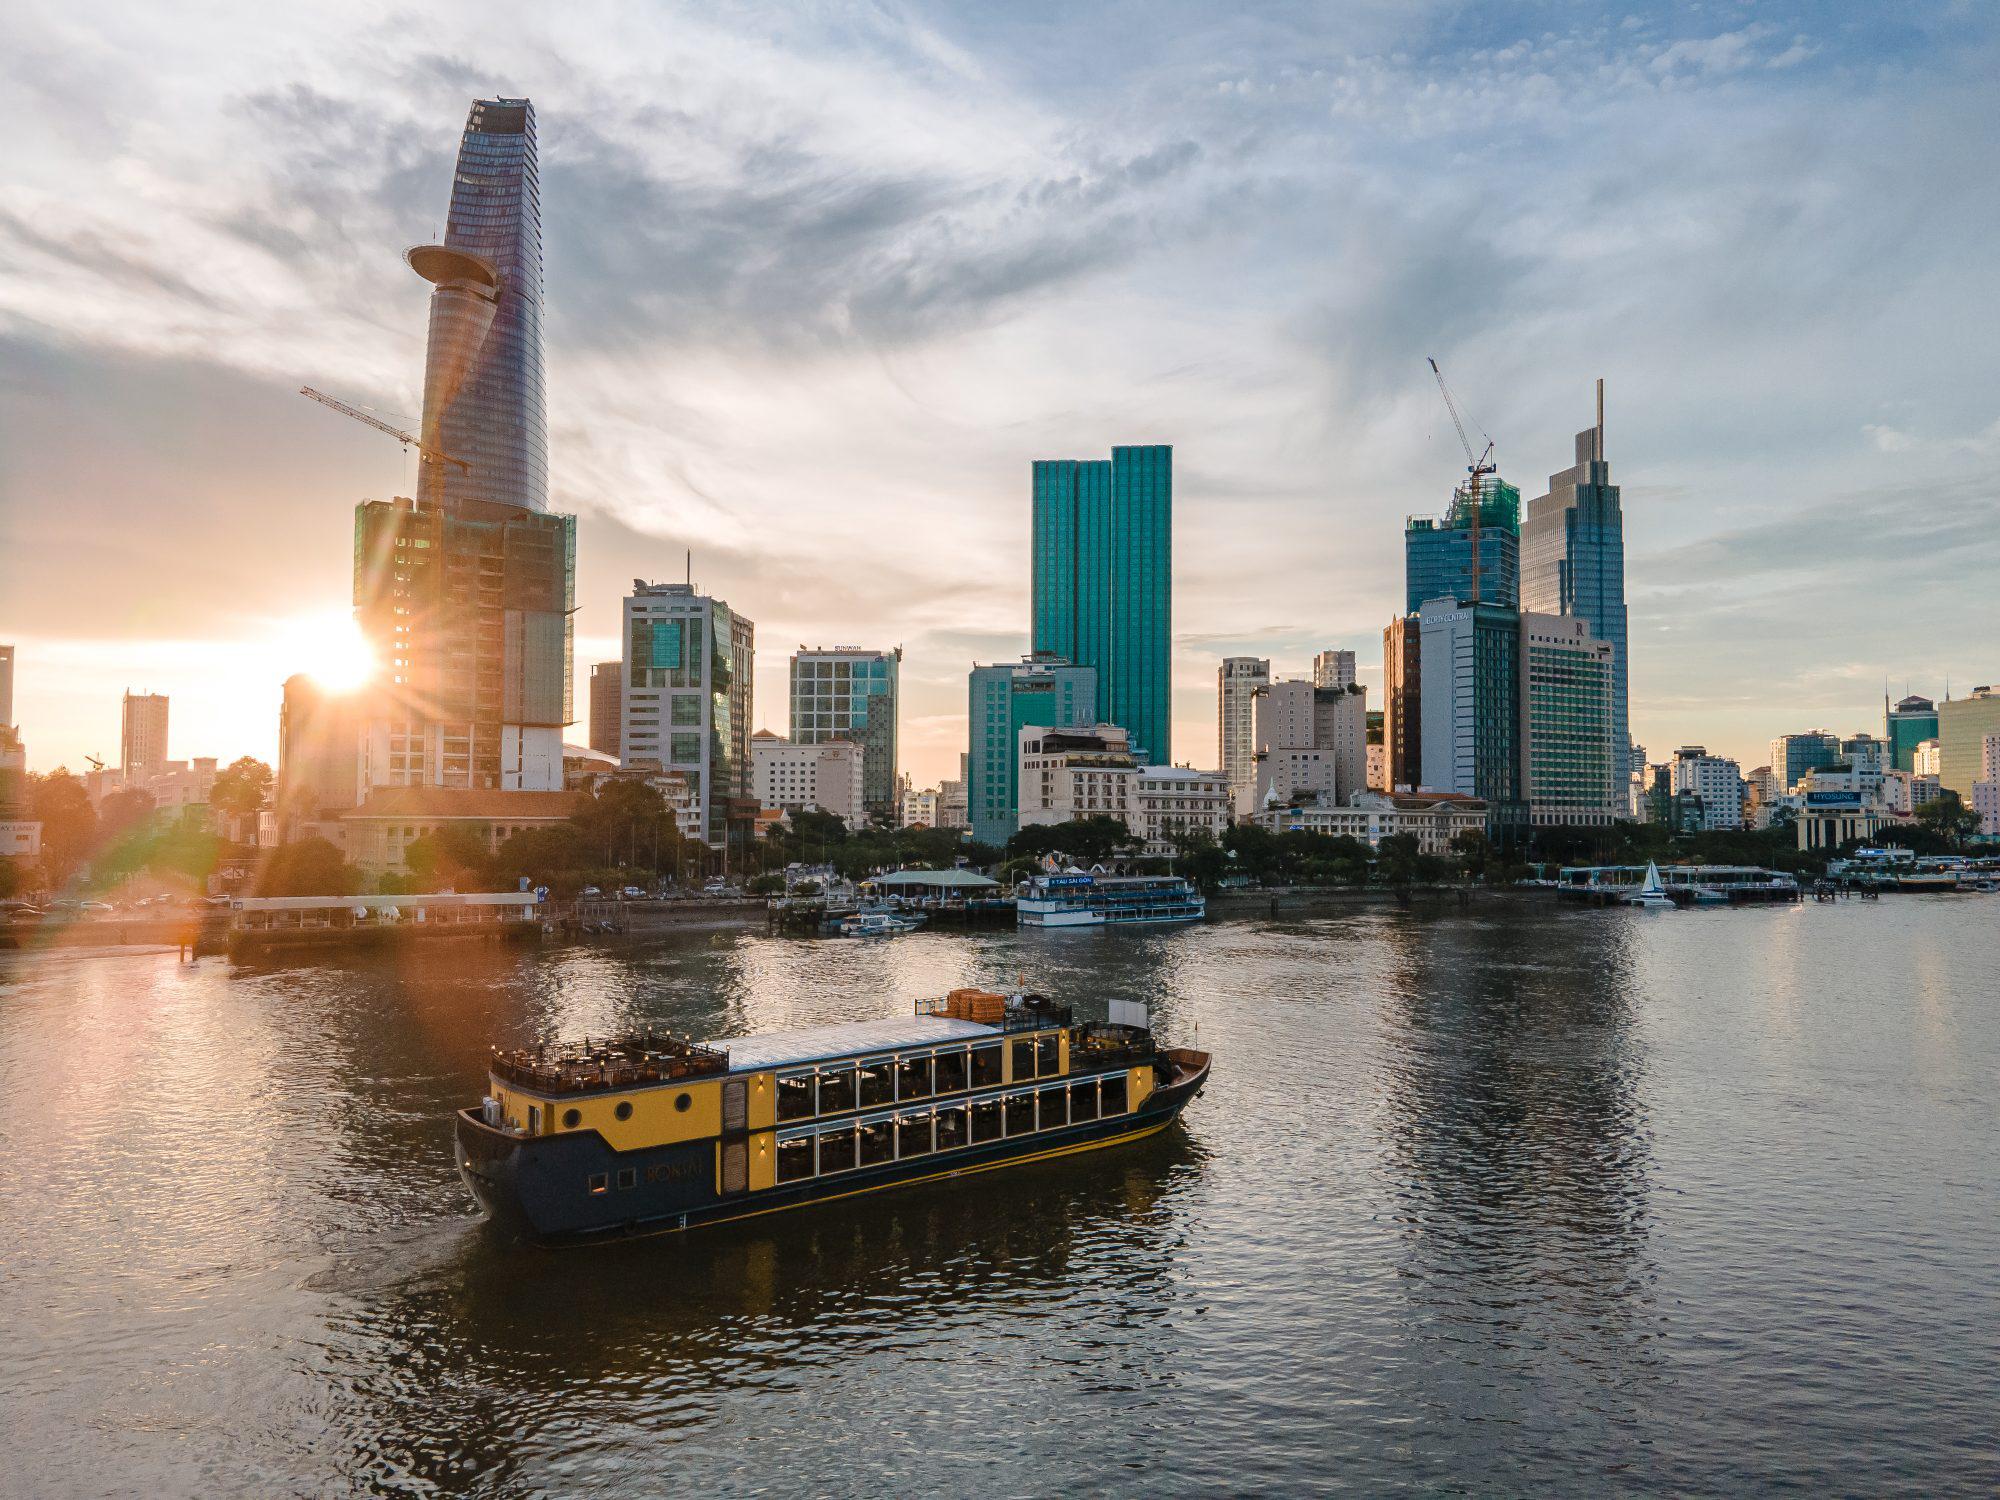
[1482, 1201]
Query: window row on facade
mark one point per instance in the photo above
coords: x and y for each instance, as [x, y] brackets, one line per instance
[838, 1088]
[873, 1142]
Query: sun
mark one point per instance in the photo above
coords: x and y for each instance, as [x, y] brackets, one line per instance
[328, 647]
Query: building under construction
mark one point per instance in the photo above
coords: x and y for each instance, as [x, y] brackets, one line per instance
[465, 593]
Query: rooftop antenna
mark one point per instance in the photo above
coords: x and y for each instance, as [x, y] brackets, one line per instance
[690, 567]
[1600, 419]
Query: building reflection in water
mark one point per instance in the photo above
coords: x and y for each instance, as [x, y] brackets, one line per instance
[1516, 1151]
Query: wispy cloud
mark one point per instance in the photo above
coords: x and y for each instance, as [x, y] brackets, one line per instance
[822, 282]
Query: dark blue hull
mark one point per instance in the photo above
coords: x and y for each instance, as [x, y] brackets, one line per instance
[540, 1187]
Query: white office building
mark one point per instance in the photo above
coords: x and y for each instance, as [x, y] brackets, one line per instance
[1333, 669]
[1169, 802]
[828, 777]
[1069, 773]
[687, 702]
[1312, 743]
[1237, 682]
[1715, 779]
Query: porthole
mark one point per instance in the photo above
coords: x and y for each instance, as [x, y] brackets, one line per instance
[624, 1109]
[572, 1118]
[683, 1102]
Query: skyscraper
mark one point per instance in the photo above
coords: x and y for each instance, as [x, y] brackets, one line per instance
[1792, 755]
[1906, 726]
[1402, 703]
[466, 594]
[1567, 686]
[319, 757]
[607, 703]
[1438, 554]
[142, 739]
[1103, 583]
[1236, 684]
[845, 693]
[1573, 562]
[1963, 724]
[1041, 690]
[1471, 705]
[689, 661]
[483, 395]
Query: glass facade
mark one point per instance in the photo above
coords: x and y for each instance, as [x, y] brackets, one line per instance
[1573, 563]
[1103, 583]
[483, 395]
[1470, 685]
[1566, 695]
[1437, 554]
[1792, 755]
[1004, 699]
[468, 611]
[687, 701]
[1910, 723]
[852, 695]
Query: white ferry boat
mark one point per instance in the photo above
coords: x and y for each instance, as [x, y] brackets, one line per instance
[1073, 898]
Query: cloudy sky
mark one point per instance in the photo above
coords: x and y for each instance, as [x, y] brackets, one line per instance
[824, 279]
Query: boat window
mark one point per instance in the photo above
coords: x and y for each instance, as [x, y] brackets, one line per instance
[1114, 1094]
[534, 1119]
[950, 1073]
[600, 1182]
[1054, 1106]
[795, 1097]
[913, 1078]
[1020, 1113]
[985, 1067]
[875, 1085]
[878, 1143]
[1083, 1100]
[836, 1092]
[951, 1128]
[913, 1135]
[1024, 1059]
[986, 1120]
[1048, 1055]
[572, 1118]
[628, 1177]
[624, 1109]
[795, 1159]
[836, 1150]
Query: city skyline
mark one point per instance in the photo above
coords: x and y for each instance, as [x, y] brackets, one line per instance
[153, 326]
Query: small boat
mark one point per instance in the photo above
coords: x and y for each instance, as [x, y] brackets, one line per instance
[877, 924]
[652, 1134]
[1705, 895]
[1652, 895]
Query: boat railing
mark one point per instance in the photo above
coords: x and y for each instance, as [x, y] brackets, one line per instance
[1031, 1013]
[623, 1063]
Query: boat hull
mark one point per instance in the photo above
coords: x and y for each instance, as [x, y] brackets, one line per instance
[533, 1187]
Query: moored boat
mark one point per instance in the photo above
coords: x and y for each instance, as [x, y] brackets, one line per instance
[1073, 898]
[1651, 895]
[651, 1133]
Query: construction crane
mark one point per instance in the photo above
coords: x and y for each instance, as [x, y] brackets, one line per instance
[407, 439]
[1476, 468]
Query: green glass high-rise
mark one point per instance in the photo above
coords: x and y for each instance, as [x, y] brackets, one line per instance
[1103, 583]
[1044, 691]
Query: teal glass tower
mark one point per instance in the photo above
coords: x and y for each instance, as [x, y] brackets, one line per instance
[1438, 556]
[1044, 691]
[1103, 583]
